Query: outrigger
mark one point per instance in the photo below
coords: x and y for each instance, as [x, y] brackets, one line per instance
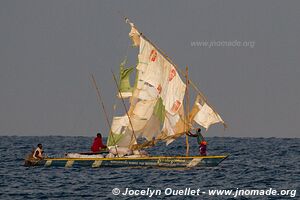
[151, 161]
[159, 111]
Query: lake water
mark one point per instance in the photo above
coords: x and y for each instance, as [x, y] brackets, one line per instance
[254, 163]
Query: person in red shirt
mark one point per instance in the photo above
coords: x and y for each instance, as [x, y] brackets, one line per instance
[98, 144]
[202, 148]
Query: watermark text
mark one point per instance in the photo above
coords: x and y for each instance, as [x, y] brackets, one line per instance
[237, 192]
[219, 43]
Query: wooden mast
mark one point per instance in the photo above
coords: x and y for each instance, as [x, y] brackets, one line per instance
[126, 110]
[187, 121]
[100, 101]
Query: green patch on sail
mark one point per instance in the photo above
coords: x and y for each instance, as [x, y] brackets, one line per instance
[159, 110]
[113, 139]
[125, 73]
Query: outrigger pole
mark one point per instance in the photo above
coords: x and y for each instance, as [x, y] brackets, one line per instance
[100, 101]
[126, 110]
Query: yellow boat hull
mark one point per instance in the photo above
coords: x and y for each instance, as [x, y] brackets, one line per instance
[149, 161]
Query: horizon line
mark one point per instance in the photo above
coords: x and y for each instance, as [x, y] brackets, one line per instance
[105, 136]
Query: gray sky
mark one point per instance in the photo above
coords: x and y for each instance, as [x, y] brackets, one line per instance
[48, 49]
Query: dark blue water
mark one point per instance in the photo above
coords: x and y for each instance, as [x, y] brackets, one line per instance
[253, 164]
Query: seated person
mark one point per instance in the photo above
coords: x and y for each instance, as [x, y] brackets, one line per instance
[98, 144]
[38, 153]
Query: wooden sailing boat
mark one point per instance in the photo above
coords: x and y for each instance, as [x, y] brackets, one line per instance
[156, 113]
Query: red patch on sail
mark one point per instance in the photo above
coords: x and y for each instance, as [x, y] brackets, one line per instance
[153, 55]
[176, 106]
[159, 88]
[172, 74]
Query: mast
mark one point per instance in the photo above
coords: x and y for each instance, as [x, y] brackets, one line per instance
[126, 110]
[100, 101]
[187, 124]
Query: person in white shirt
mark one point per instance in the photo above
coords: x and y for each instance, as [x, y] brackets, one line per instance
[38, 153]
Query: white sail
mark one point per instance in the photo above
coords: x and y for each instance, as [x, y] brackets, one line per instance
[205, 116]
[118, 130]
[156, 105]
[157, 76]
[157, 83]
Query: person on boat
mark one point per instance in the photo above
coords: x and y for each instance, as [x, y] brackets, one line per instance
[98, 144]
[202, 148]
[201, 141]
[38, 153]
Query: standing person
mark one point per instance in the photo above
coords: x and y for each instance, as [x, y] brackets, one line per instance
[98, 144]
[202, 148]
[201, 141]
[38, 153]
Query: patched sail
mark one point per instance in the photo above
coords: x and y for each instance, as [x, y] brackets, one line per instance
[124, 83]
[118, 128]
[157, 96]
[204, 115]
[156, 101]
[159, 79]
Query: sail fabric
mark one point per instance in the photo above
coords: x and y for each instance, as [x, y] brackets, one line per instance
[121, 135]
[142, 112]
[118, 123]
[146, 92]
[127, 139]
[155, 70]
[156, 101]
[173, 90]
[124, 82]
[118, 128]
[150, 119]
[134, 35]
[143, 123]
[152, 128]
[144, 109]
[157, 97]
[159, 110]
[174, 125]
[157, 76]
[156, 121]
[205, 115]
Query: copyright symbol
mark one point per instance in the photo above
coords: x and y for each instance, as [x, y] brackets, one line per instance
[115, 191]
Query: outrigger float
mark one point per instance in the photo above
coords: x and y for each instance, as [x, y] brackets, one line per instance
[159, 111]
[151, 161]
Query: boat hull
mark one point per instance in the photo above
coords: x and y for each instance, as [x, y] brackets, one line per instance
[151, 161]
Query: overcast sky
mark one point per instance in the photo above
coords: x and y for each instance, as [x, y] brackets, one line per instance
[48, 49]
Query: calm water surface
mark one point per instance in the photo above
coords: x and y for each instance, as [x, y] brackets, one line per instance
[259, 163]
